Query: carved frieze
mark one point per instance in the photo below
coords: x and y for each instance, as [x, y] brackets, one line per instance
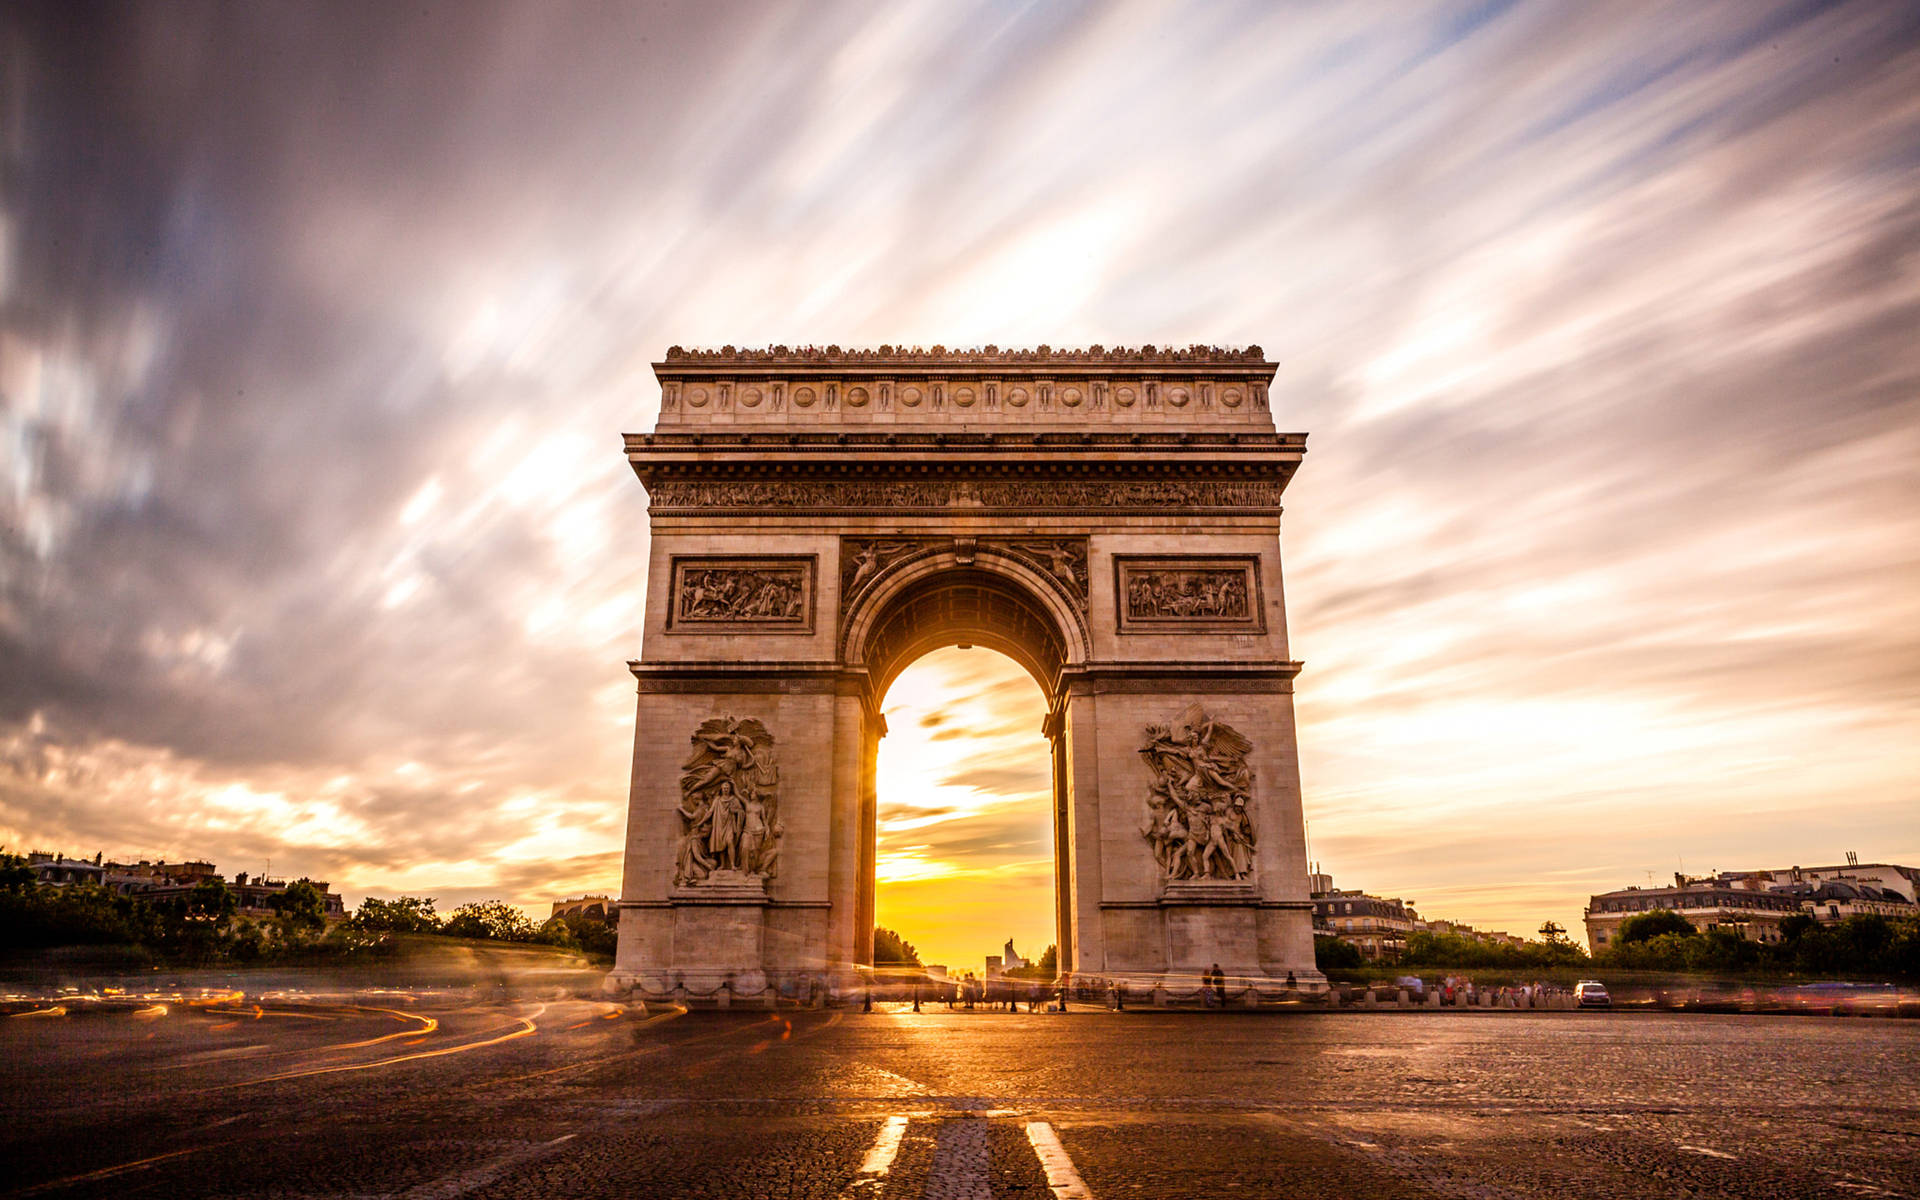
[1188, 594]
[863, 559]
[1155, 494]
[730, 826]
[1199, 806]
[755, 594]
[1062, 559]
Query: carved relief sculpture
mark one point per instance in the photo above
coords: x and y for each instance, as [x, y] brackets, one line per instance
[1199, 820]
[729, 807]
[1188, 595]
[1064, 560]
[774, 595]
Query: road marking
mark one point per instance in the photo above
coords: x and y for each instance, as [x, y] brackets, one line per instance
[879, 1160]
[477, 1178]
[1061, 1177]
[110, 1172]
[880, 1157]
[960, 1162]
[1706, 1150]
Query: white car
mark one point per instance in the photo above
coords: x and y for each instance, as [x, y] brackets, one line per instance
[1591, 993]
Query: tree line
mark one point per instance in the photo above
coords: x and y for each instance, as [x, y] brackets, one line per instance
[1662, 940]
[204, 924]
[1863, 944]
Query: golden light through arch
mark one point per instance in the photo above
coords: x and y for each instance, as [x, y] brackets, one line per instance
[965, 840]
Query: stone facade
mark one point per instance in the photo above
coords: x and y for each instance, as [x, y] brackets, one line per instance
[1109, 519]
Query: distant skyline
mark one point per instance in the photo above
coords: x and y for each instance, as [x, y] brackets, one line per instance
[319, 327]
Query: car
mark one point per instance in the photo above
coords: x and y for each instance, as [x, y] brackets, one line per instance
[1591, 993]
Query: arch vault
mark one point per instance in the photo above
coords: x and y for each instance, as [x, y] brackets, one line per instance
[1108, 519]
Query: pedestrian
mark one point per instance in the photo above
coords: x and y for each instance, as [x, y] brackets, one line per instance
[1219, 986]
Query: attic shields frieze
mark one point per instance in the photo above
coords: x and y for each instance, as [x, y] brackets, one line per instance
[669, 495]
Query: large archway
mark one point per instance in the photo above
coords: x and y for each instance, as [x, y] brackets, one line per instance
[1108, 520]
[926, 595]
[965, 853]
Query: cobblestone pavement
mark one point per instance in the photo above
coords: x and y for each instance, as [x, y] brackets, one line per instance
[439, 1097]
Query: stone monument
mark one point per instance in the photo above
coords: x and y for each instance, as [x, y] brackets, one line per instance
[1109, 519]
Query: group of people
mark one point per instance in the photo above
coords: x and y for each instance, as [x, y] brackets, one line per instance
[999, 993]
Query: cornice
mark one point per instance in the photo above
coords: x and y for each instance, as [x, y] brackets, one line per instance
[938, 359]
[958, 442]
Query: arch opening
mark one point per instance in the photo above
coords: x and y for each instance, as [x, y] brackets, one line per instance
[965, 852]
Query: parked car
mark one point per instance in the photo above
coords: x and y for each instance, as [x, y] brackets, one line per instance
[1591, 993]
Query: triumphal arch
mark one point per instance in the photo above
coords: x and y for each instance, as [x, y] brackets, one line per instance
[1109, 519]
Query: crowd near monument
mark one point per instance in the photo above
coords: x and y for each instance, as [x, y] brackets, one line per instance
[1108, 518]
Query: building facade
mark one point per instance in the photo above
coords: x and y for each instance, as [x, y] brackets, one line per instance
[1754, 903]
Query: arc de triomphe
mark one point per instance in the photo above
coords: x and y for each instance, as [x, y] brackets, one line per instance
[1109, 519]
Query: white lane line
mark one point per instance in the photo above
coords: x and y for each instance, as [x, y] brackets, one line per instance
[1061, 1177]
[960, 1162]
[480, 1176]
[879, 1160]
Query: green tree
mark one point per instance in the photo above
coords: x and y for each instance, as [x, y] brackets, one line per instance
[1050, 962]
[212, 901]
[403, 914]
[1330, 953]
[591, 934]
[16, 875]
[892, 950]
[1651, 924]
[494, 920]
[300, 911]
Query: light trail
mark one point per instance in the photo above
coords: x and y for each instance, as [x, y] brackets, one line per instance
[427, 1025]
[58, 1010]
[527, 1029]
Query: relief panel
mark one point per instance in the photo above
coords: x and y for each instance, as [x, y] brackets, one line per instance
[1180, 594]
[753, 594]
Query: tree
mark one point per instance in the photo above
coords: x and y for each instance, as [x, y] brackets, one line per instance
[404, 914]
[1050, 962]
[892, 950]
[16, 874]
[1648, 925]
[211, 900]
[300, 911]
[495, 920]
[1331, 952]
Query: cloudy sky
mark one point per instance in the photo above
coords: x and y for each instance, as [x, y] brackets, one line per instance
[319, 325]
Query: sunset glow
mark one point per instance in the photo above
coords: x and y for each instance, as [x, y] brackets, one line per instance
[318, 550]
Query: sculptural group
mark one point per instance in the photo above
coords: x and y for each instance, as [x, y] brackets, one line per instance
[1198, 819]
[728, 805]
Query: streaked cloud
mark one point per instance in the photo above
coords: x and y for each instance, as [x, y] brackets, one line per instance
[317, 328]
